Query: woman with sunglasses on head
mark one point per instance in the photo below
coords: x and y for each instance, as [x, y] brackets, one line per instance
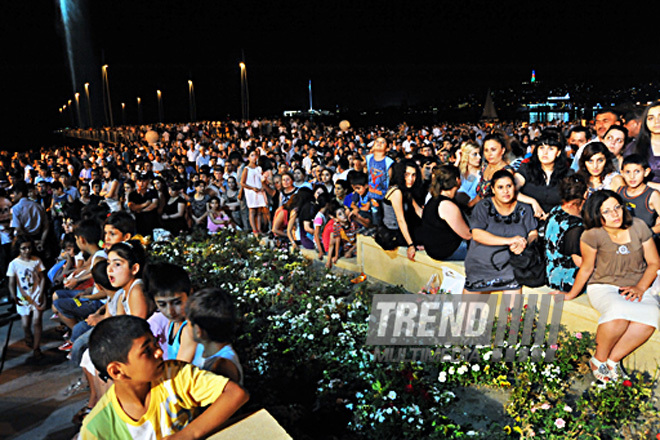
[619, 264]
[500, 223]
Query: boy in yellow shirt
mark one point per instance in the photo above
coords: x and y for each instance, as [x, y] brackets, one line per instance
[152, 398]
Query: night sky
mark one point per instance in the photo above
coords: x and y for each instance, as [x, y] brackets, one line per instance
[358, 54]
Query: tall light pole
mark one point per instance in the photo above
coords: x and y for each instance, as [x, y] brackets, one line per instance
[245, 95]
[191, 101]
[123, 113]
[62, 116]
[77, 96]
[73, 124]
[159, 95]
[107, 103]
[89, 105]
[139, 102]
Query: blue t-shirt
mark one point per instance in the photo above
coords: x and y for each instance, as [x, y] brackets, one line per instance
[378, 177]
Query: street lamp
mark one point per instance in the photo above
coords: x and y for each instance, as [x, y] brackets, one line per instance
[107, 104]
[139, 102]
[245, 95]
[89, 105]
[123, 113]
[77, 96]
[159, 95]
[73, 124]
[191, 101]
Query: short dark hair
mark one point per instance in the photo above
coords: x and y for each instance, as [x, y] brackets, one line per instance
[18, 241]
[122, 221]
[212, 309]
[166, 279]
[111, 340]
[89, 229]
[357, 178]
[502, 174]
[635, 159]
[591, 210]
[100, 275]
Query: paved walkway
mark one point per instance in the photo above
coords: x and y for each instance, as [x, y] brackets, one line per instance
[34, 401]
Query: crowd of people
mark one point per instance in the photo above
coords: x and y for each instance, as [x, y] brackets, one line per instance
[581, 197]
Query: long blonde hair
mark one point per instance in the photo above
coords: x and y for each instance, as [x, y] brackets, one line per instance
[466, 149]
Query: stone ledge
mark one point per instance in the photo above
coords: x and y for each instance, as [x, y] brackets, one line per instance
[393, 267]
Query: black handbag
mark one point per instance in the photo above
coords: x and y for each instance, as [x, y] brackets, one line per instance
[528, 267]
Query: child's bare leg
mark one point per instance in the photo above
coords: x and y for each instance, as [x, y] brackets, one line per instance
[93, 395]
[253, 220]
[37, 325]
[331, 251]
[26, 323]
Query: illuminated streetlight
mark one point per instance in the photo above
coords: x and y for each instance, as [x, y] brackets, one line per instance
[191, 101]
[77, 96]
[159, 96]
[123, 113]
[89, 105]
[107, 103]
[245, 95]
[139, 103]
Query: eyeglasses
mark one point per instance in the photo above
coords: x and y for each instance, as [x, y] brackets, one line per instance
[608, 212]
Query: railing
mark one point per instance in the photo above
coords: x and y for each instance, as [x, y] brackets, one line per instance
[114, 136]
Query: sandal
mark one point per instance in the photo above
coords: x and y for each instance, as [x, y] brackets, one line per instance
[601, 373]
[616, 371]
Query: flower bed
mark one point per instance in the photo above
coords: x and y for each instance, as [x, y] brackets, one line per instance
[301, 340]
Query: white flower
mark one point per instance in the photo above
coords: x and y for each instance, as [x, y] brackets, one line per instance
[476, 367]
[310, 336]
[309, 306]
[451, 370]
[568, 408]
[326, 331]
[392, 395]
[442, 377]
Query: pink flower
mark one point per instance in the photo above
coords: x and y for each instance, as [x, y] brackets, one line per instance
[554, 346]
[578, 335]
[545, 406]
[560, 423]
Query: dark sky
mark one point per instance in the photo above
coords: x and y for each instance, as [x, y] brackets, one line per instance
[358, 54]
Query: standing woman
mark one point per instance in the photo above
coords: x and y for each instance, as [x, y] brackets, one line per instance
[619, 264]
[173, 216]
[495, 150]
[163, 194]
[648, 142]
[402, 212]
[597, 168]
[616, 138]
[538, 180]
[500, 223]
[470, 167]
[110, 189]
[255, 196]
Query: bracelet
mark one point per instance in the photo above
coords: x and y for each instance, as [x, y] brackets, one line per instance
[411, 245]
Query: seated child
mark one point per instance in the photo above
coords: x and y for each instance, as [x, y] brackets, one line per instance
[217, 218]
[152, 398]
[642, 200]
[361, 202]
[342, 238]
[168, 285]
[212, 317]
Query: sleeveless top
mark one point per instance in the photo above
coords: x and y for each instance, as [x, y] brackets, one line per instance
[437, 236]
[483, 187]
[124, 301]
[226, 352]
[640, 206]
[174, 344]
